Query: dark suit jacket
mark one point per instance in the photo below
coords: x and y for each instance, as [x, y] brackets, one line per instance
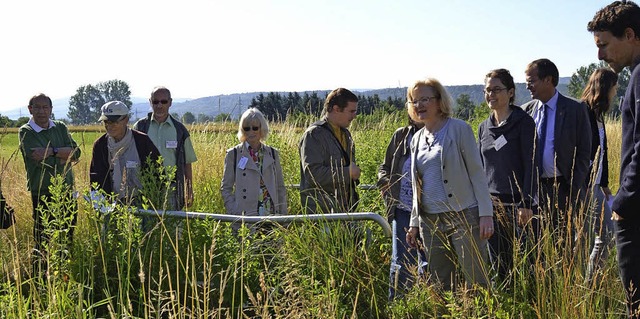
[627, 200]
[572, 135]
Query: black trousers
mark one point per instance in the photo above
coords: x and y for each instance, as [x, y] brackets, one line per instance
[40, 202]
[628, 246]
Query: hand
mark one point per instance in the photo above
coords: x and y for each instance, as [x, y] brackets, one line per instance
[607, 192]
[354, 171]
[411, 238]
[486, 227]
[41, 153]
[188, 200]
[524, 216]
[615, 216]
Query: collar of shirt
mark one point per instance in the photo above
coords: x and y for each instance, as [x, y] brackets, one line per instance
[38, 128]
[552, 103]
[168, 121]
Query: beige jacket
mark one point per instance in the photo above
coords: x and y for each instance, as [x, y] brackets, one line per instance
[241, 185]
[462, 172]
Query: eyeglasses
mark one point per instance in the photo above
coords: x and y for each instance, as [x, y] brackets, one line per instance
[495, 90]
[163, 102]
[109, 122]
[423, 100]
[531, 81]
[247, 128]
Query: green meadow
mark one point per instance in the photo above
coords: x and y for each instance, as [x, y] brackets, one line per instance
[199, 269]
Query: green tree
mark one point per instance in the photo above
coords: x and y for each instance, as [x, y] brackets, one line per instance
[203, 118]
[84, 106]
[580, 78]
[464, 107]
[115, 90]
[22, 120]
[188, 118]
[222, 117]
[5, 121]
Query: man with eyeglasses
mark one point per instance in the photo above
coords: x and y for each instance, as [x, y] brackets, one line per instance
[328, 171]
[48, 151]
[172, 139]
[616, 31]
[563, 146]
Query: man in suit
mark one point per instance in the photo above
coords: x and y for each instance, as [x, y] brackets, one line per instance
[564, 145]
[616, 31]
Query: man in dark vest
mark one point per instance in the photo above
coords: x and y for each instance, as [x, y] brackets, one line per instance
[172, 140]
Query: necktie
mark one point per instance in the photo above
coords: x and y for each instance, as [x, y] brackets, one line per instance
[542, 137]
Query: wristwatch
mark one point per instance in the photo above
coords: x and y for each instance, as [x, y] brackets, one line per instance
[55, 151]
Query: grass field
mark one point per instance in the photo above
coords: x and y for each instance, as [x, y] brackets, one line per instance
[197, 269]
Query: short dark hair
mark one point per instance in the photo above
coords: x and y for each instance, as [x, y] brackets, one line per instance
[545, 68]
[38, 96]
[617, 17]
[339, 97]
[507, 80]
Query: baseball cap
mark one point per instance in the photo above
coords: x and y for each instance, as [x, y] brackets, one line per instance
[113, 111]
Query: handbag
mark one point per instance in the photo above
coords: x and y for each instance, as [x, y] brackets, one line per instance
[7, 215]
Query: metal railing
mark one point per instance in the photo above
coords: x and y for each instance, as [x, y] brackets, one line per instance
[277, 219]
[366, 187]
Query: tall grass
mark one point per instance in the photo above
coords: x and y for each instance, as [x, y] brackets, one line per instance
[199, 269]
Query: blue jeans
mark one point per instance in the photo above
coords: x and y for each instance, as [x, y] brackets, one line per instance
[602, 227]
[403, 258]
[628, 245]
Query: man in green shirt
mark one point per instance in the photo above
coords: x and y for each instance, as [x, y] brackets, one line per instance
[172, 140]
[48, 150]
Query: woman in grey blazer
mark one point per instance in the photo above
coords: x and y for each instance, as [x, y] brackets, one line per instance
[252, 182]
[451, 202]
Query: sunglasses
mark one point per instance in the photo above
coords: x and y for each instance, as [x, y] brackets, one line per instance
[163, 102]
[247, 128]
[110, 122]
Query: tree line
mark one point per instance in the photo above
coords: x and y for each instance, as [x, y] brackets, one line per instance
[278, 107]
[84, 105]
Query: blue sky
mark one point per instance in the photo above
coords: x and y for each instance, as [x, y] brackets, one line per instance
[205, 48]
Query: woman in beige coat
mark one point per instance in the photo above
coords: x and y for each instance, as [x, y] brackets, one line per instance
[252, 182]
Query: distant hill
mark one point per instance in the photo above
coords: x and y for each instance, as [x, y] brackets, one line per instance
[236, 103]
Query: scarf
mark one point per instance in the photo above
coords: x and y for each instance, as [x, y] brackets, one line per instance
[125, 164]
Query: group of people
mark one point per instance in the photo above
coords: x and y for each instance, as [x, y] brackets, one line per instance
[465, 203]
[540, 165]
[49, 151]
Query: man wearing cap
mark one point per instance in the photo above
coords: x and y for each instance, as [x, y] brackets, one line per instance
[48, 150]
[120, 154]
[172, 140]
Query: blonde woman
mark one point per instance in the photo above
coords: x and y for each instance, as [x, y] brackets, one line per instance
[252, 182]
[451, 202]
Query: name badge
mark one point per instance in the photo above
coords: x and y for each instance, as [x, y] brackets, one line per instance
[500, 142]
[171, 144]
[242, 163]
[132, 164]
